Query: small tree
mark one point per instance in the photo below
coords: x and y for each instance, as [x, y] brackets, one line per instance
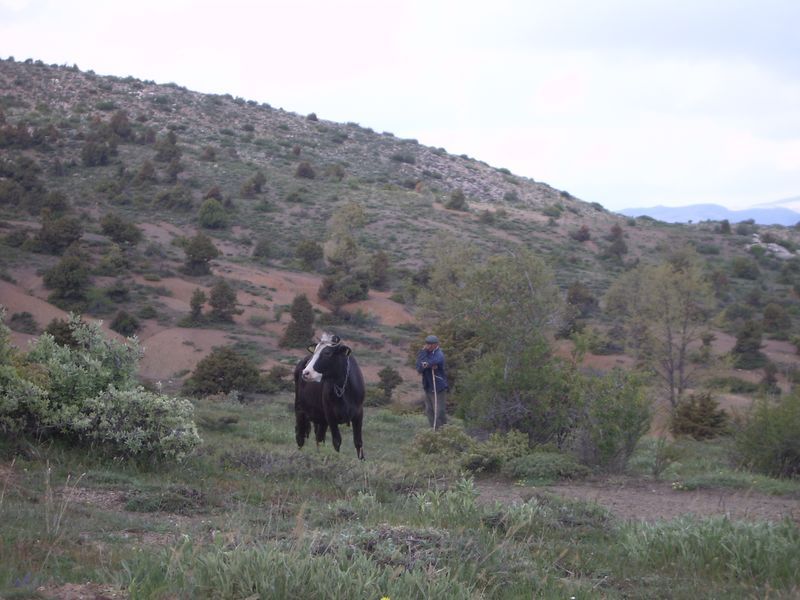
[747, 350]
[222, 299]
[69, 280]
[262, 250]
[300, 329]
[378, 269]
[57, 234]
[125, 323]
[776, 319]
[222, 371]
[305, 171]
[120, 230]
[212, 215]
[196, 303]
[200, 250]
[699, 416]
[582, 234]
[309, 252]
[167, 148]
[457, 201]
[389, 379]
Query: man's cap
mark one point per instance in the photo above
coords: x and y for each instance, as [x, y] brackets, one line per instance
[431, 339]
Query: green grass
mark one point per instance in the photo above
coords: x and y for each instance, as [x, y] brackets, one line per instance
[250, 514]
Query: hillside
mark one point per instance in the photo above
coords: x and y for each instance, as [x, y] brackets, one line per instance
[196, 221]
[78, 144]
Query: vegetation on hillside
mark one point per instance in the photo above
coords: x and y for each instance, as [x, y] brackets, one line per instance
[111, 187]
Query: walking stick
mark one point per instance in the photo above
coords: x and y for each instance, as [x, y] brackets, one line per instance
[435, 399]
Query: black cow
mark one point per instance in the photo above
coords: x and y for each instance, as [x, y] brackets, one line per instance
[329, 391]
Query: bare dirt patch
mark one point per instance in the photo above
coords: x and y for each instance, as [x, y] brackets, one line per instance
[633, 499]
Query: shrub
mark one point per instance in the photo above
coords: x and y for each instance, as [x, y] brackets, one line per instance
[61, 332]
[87, 392]
[744, 268]
[97, 154]
[614, 415]
[582, 234]
[457, 201]
[212, 215]
[776, 319]
[262, 250]
[769, 440]
[343, 288]
[137, 423]
[305, 171]
[544, 467]
[389, 379]
[491, 455]
[69, 280]
[199, 250]
[449, 440]
[699, 416]
[56, 234]
[309, 252]
[178, 197]
[222, 371]
[222, 299]
[23, 322]
[747, 350]
[300, 329]
[125, 324]
[120, 230]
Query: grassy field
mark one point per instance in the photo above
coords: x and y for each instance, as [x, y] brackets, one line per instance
[250, 516]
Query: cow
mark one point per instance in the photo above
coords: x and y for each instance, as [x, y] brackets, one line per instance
[329, 391]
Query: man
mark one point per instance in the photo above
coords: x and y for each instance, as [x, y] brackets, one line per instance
[430, 364]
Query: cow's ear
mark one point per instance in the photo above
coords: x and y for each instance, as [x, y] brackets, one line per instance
[311, 348]
[346, 349]
[335, 340]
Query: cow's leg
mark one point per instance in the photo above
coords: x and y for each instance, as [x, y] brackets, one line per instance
[302, 428]
[320, 429]
[358, 442]
[336, 436]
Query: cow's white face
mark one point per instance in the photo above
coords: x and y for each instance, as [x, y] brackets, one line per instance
[327, 340]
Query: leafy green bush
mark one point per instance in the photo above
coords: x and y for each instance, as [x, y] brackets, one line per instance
[88, 393]
[769, 440]
[614, 415]
[542, 467]
[137, 423]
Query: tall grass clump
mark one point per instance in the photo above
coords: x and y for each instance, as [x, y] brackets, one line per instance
[717, 549]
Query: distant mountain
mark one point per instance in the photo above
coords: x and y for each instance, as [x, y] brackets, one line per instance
[775, 213]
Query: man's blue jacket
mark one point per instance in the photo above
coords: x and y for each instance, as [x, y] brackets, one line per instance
[432, 358]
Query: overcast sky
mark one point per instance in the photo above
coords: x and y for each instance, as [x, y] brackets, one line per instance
[622, 102]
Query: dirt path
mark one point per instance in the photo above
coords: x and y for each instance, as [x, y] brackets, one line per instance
[640, 500]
